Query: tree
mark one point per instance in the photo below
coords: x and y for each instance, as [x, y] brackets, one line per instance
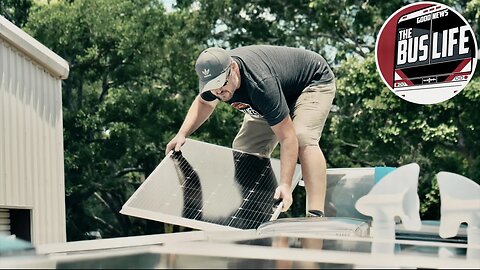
[16, 11]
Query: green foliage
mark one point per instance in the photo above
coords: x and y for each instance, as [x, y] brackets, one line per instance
[16, 11]
[334, 28]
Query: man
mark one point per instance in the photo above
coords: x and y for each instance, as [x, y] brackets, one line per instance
[286, 95]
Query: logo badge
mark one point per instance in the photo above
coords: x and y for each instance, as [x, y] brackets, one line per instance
[426, 53]
[206, 73]
[246, 108]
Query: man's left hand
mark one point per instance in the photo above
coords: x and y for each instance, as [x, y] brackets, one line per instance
[283, 191]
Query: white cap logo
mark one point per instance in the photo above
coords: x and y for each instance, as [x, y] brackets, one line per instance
[206, 73]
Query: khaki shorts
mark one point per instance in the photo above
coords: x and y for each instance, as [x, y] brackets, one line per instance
[308, 113]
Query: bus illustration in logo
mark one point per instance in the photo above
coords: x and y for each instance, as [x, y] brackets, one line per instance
[434, 54]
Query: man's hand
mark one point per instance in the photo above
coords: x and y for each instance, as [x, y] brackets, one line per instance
[175, 144]
[283, 191]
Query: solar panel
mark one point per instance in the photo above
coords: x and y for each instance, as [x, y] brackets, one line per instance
[206, 186]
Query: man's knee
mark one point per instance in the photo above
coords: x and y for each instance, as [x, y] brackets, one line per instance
[306, 139]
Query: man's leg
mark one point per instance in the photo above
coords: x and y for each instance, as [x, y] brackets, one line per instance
[309, 115]
[314, 172]
[255, 136]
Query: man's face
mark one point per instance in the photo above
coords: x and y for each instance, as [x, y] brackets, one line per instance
[225, 92]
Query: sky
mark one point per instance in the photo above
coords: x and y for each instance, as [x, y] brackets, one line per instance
[169, 4]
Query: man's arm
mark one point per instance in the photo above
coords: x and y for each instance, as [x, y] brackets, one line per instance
[199, 112]
[285, 133]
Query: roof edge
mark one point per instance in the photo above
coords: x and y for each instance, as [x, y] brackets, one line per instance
[25, 43]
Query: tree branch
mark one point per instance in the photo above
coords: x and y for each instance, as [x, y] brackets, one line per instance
[128, 170]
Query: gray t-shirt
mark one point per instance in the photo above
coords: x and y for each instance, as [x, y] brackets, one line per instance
[272, 78]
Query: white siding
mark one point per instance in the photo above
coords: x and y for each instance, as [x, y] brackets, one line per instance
[31, 143]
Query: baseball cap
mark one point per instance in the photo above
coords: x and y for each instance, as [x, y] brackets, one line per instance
[211, 67]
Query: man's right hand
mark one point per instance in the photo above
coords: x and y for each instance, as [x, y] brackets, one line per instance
[175, 143]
